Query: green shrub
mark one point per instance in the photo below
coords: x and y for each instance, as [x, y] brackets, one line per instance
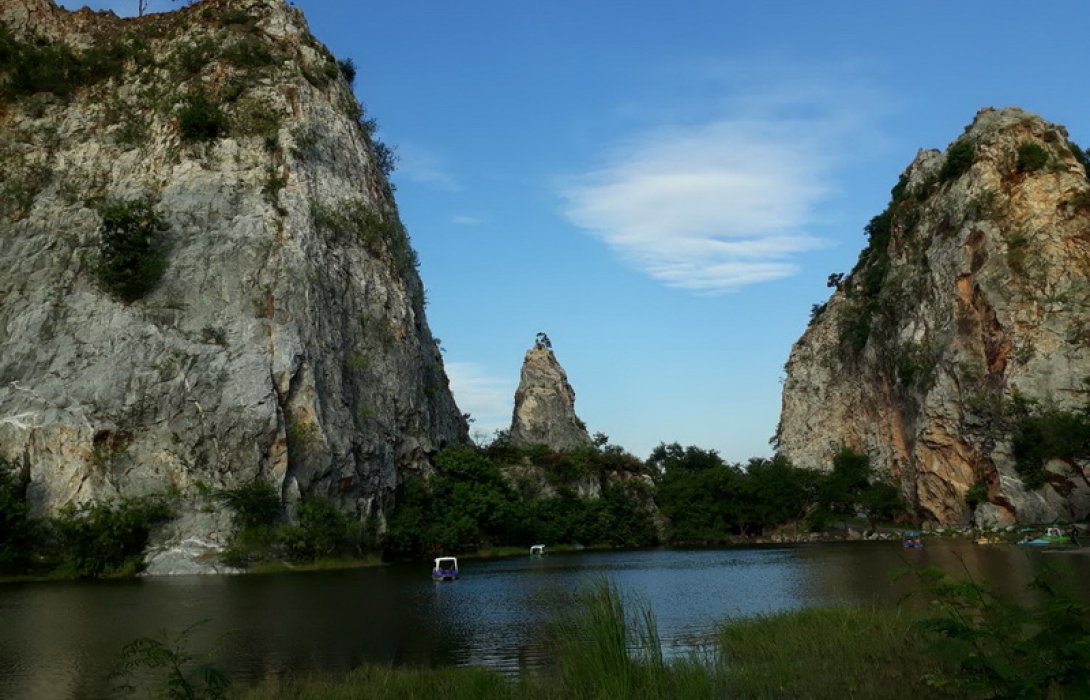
[201, 119]
[255, 504]
[958, 160]
[322, 531]
[1031, 156]
[348, 70]
[1041, 434]
[190, 59]
[55, 67]
[1081, 156]
[132, 249]
[250, 53]
[104, 539]
[17, 532]
[976, 495]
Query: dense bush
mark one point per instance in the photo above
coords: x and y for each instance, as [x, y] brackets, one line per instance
[201, 119]
[1041, 433]
[348, 70]
[27, 69]
[104, 539]
[17, 532]
[132, 253]
[254, 504]
[468, 504]
[958, 160]
[1031, 156]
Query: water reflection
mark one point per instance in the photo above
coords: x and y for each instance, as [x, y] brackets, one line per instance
[61, 639]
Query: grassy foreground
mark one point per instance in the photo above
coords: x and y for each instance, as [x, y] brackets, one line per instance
[602, 651]
[966, 644]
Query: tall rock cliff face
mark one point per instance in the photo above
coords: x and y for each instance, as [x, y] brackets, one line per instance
[971, 297]
[286, 339]
[545, 404]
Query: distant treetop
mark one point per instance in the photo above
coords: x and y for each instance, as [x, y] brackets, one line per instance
[542, 341]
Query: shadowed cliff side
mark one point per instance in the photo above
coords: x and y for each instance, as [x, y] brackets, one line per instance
[204, 278]
[961, 332]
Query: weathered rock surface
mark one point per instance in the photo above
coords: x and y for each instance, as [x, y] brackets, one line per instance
[287, 339]
[983, 291]
[545, 404]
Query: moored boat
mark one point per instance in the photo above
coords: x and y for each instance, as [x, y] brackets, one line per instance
[445, 569]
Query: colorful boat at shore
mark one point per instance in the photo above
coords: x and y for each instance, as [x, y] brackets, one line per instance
[1052, 538]
[910, 539]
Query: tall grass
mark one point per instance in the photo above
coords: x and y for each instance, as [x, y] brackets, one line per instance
[841, 652]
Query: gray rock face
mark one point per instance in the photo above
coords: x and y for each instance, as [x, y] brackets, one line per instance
[545, 404]
[983, 295]
[287, 339]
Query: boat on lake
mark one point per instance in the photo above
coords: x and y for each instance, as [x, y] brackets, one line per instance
[445, 569]
[537, 550]
[1052, 537]
[910, 539]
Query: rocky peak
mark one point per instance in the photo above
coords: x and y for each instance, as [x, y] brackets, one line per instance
[284, 338]
[969, 299]
[545, 403]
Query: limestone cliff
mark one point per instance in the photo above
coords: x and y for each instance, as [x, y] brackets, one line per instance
[286, 339]
[545, 403]
[972, 295]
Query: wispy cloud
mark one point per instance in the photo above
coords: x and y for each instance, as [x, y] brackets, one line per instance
[466, 220]
[732, 199]
[419, 164]
[488, 399]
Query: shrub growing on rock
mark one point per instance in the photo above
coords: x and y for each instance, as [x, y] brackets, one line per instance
[132, 249]
[958, 160]
[1031, 156]
[201, 119]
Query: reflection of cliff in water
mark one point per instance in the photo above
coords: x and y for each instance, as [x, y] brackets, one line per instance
[852, 572]
[62, 639]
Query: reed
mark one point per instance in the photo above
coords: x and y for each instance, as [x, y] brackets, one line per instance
[838, 652]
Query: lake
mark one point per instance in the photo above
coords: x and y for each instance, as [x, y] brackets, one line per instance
[61, 639]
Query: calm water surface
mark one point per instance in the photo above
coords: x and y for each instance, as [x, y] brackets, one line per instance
[59, 640]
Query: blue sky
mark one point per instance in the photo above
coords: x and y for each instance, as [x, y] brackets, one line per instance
[663, 188]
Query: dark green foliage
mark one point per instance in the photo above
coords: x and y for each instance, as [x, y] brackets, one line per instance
[201, 119]
[17, 532]
[104, 539]
[190, 59]
[355, 218]
[27, 69]
[132, 253]
[976, 495]
[385, 157]
[958, 160]
[236, 18]
[322, 531]
[348, 70]
[183, 676]
[707, 500]
[1031, 156]
[1044, 433]
[323, 75]
[1000, 649]
[255, 504]
[249, 53]
[816, 310]
[467, 504]
[1080, 155]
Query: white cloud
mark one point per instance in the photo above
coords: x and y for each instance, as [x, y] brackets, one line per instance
[418, 164]
[728, 202]
[466, 220]
[488, 399]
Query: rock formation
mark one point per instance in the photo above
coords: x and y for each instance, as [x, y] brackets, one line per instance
[545, 403]
[970, 298]
[286, 339]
